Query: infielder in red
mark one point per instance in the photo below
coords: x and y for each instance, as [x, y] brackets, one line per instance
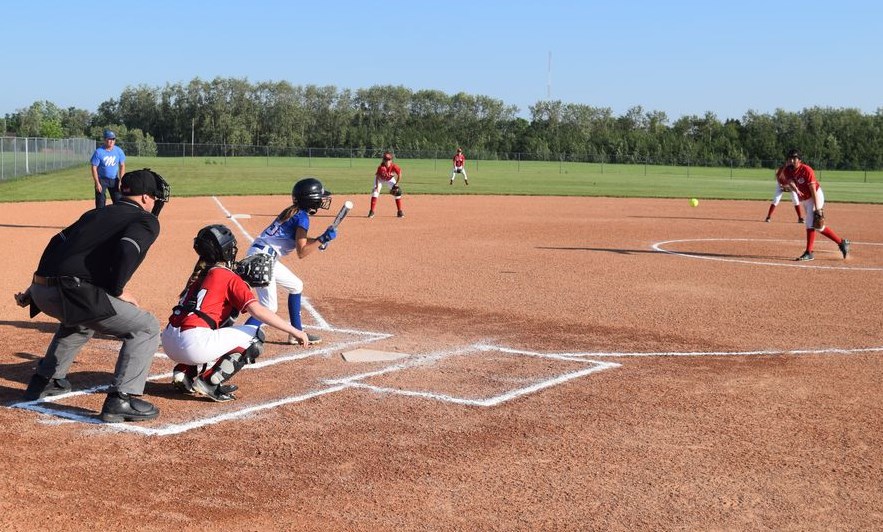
[459, 166]
[388, 174]
[782, 186]
[201, 336]
[802, 178]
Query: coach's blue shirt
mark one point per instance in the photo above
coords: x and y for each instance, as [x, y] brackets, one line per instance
[108, 161]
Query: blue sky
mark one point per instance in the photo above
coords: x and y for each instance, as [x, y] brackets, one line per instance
[682, 58]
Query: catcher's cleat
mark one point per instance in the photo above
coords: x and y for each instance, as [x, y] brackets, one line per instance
[767, 219]
[227, 388]
[40, 387]
[370, 214]
[844, 247]
[400, 214]
[124, 407]
[807, 256]
[182, 378]
[314, 339]
[800, 220]
[217, 393]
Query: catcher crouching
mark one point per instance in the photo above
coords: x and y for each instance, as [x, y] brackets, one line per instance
[201, 335]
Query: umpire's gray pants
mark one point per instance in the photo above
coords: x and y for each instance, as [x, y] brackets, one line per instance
[137, 328]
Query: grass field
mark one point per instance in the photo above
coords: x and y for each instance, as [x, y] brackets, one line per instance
[266, 176]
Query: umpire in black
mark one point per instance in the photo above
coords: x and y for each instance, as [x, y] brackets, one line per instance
[81, 282]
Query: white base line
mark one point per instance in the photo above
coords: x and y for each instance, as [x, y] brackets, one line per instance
[491, 401]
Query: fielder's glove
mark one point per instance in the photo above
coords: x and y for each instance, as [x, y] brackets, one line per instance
[256, 270]
[396, 191]
[818, 219]
[329, 235]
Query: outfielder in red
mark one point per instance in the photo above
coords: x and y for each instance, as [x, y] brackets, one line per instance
[802, 178]
[388, 174]
[459, 166]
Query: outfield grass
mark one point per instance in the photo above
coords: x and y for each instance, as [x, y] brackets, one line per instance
[266, 176]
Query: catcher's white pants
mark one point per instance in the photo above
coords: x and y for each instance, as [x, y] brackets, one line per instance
[202, 345]
[777, 197]
[809, 207]
[283, 277]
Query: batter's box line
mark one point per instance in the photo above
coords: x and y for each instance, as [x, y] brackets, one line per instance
[74, 416]
[355, 381]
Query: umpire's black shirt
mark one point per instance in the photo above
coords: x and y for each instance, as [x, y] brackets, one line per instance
[104, 247]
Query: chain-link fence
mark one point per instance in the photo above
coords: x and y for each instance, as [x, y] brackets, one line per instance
[20, 156]
[268, 153]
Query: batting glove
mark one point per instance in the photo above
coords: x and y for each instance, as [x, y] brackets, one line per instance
[329, 235]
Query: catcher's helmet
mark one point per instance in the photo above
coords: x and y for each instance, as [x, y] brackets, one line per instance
[215, 243]
[310, 195]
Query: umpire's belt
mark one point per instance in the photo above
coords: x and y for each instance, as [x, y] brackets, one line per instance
[265, 249]
[45, 281]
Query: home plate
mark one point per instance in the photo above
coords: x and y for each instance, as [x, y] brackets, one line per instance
[371, 355]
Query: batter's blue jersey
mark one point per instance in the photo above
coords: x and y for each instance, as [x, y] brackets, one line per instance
[282, 237]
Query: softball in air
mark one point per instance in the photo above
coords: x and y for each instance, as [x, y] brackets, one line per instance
[694, 202]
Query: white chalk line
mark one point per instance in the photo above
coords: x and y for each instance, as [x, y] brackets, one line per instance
[355, 381]
[658, 246]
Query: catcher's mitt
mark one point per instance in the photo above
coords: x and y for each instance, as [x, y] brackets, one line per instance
[818, 219]
[256, 270]
[396, 191]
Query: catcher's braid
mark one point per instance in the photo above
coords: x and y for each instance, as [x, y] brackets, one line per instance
[818, 219]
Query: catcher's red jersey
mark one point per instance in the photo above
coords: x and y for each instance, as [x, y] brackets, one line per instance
[386, 172]
[802, 179]
[221, 292]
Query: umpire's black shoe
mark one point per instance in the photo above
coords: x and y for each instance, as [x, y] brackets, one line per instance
[41, 387]
[125, 407]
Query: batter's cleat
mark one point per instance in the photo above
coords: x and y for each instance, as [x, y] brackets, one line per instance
[370, 214]
[40, 387]
[314, 339]
[400, 214]
[800, 220]
[844, 247]
[125, 407]
[215, 392]
[807, 256]
[767, 219]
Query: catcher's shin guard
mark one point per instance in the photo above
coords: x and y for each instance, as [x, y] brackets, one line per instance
[230, 363]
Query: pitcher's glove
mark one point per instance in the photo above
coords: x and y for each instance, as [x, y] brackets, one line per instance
[396, 191]
[256, 270]
[818, 219]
